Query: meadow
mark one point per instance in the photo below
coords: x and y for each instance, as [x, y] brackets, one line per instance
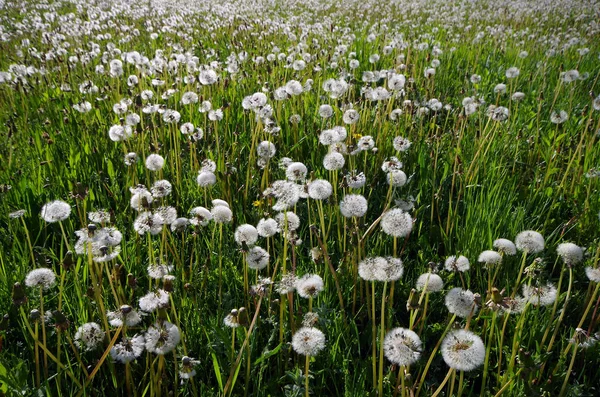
[295, 198]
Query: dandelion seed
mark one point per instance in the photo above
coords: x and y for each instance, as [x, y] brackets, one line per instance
[490, 257]
[155, 162]
[154, 300]
[221, 214]
[355, 181]
[257, 258]
[530, 242]
[162, 337]
[461, 302]
[319, 189]
[128, 349]
[540, 296]
[16, 214]
[42, 277]
[505, 246]
[593, 274]
[89, 336]
[130, 159]
[55, 211]
[397, 223]
[353, 205]
[463, 350]
[287, 284]
[308, 341]
[333, 161]
[200, 216]
[267, 227]
[457, 264]
[559, 117]
[309, 285]
[570, 253]
[433, 282]
[246, 234]
[296, 172]
[402, 346]
[186, 370]
[157, 270]
[126, 315]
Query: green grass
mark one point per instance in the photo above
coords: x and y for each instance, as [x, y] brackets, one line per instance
[472, 179]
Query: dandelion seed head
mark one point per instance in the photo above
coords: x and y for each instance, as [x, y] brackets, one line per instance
[544, 295]
[505, 246]
[457, 264]
[309, 285]
[257, 258]
[397, 223]
[161, 338]
[308, 341]
[431, 282]
[154, 300]
[461, 302]
[128, 349]
[155, 162]
[319, 189]
[296, 172]
[530, 242]
[89, 336]
[200, 216]
[221, 214]
[246, 234]
[55, 211]
[353, 205]
[593, 274]
[402, 346]
[396, 178]
[463, 350]
[490, 257]
[333, 161]
[267, 227]
[570, 253]
[42, 277]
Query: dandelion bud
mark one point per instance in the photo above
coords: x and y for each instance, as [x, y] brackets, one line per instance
[243, 317]
[60, 320]
[168, 283]
[68, 262]
[18, 295]
[413, 300]
[90, 293]
[35, 315]
[131, 280]
[4, 322]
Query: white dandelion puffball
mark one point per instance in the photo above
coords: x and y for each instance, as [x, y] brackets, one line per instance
[206, 178]
[55, 211]
[319, 189]
[381, 269]
[334, 161]
[162, 338]
[309, 285]
[128, 349]
[401, 144]
[155, 162]
[544, 295]
[457, 264]
[463, 350]
[89, 336]
[461, 302]
[593, 274]
[257, 258]
[353, 205]
[267, 227]
[396, 178]
[42, 277]
[221, 214]
[530, 242]
[490, 257]
[246, 234]
[308, 341]
[570, 253]
[397, 223]
[431, 282]
[505, 246]
[402, 346]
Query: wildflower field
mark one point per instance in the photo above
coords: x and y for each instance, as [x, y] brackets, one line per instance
[299, 197]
